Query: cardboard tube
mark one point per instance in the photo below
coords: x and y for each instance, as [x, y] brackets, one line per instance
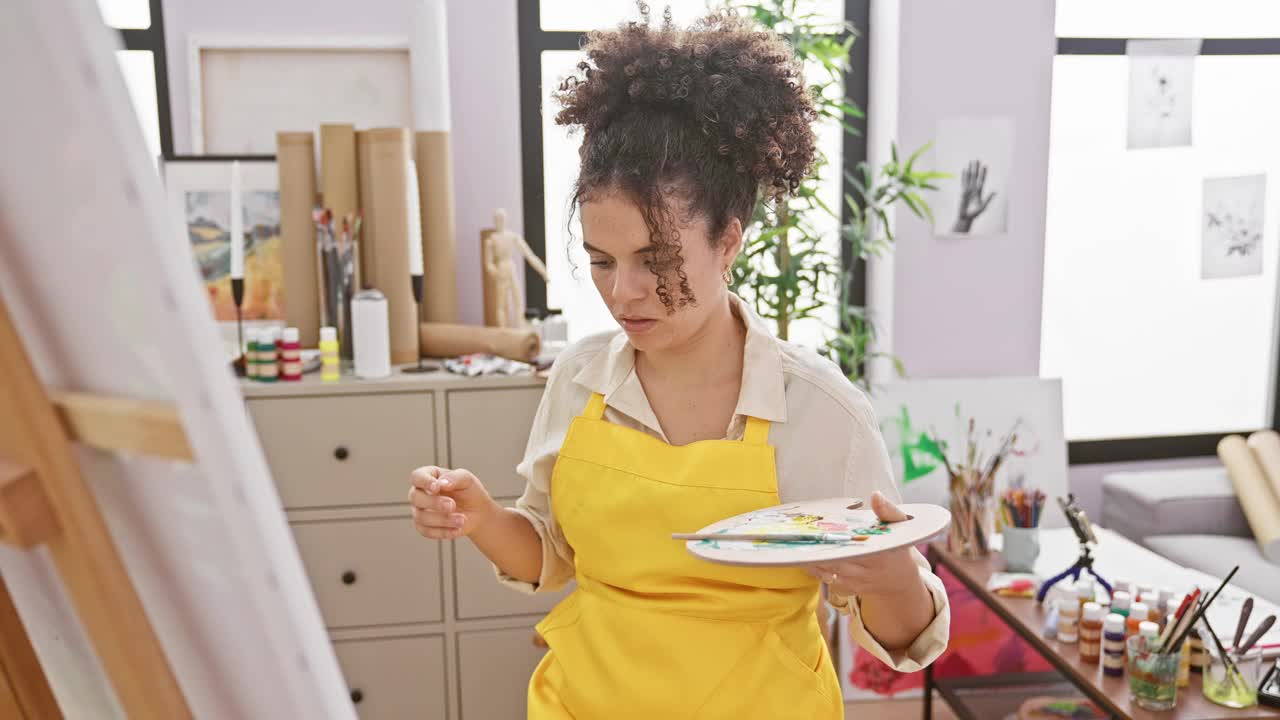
[296, 165]
[368, 227]
[1266, 448]
[1253, 490]
[387, 246]
[338, 177]
[446, 340]
[439, 246]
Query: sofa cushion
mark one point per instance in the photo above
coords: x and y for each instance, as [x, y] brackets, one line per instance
[1217, 554]
[1185, 501]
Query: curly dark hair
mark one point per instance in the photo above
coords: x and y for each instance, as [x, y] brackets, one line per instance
[715, 114]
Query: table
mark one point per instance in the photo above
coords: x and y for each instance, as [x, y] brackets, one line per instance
[1027, 619]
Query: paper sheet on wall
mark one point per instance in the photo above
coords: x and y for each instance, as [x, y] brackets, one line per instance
[1160, 92]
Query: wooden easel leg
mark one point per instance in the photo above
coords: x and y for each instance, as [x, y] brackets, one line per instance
[33, 438]
[24, 690]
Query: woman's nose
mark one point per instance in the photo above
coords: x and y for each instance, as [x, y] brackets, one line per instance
[631, 283]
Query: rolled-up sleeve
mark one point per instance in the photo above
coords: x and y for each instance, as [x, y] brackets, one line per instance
[869, 469]
[927, 646]
[550, 424]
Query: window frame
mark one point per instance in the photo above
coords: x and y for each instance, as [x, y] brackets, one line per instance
[151, 39]
[1167, 447]
[533, 41]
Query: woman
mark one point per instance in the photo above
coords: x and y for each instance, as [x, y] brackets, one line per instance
[692, 413]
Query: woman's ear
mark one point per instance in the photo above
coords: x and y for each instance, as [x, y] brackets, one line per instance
[731, 241]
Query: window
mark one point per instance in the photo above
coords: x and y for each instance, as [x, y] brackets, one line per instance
[550, 33]
[142, 63]
[1159, 353]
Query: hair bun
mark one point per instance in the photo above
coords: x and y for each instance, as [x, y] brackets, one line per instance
[740, 86]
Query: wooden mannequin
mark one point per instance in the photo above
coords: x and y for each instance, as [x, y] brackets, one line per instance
[504, 299]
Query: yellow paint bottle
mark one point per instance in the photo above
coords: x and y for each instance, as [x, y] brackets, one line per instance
[329, 368]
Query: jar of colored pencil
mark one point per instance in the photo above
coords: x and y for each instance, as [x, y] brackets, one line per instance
[1019, 521]
[973, 509]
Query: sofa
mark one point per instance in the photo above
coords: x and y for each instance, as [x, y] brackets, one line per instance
[1192, 517]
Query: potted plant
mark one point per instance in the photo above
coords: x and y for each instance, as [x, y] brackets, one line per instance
[785, 271]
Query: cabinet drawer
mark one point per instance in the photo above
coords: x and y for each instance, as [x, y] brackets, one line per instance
[494, 668]
[329, 451]
[371, 572]
[395, 678]
[479, 595]
[488, 432]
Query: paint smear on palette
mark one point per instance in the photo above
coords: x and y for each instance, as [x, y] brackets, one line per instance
[785, 520]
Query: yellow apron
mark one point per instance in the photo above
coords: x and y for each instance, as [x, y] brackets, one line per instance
[651, 631]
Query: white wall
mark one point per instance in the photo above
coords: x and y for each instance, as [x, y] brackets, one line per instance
[971, 307]
[484, 94]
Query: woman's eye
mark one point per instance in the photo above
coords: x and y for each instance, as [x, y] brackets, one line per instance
[601, 263]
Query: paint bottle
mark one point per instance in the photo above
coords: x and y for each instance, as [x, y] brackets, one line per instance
[1091, 632]
[1137, 615]
[1068, 618]
[1084, 593]
[1165, 599]
[1121, 586]
[1199, 657]
[268, 355]
[291, 355]
[1150, 631]
[1113, 645]
[251, 354]
[329, 371]
[1120, 603]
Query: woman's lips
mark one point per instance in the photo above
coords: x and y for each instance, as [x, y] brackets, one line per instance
[638, 325]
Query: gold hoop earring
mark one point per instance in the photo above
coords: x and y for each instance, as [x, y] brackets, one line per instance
[727, 277]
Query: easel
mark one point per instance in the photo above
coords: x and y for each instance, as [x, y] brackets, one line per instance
[44, 500]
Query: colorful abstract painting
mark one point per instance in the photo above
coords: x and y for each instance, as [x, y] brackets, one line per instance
[200, 194]
[928, 423]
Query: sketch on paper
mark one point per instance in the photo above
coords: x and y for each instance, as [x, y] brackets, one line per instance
[1160, 92]
[1232, 226]
[977, 154]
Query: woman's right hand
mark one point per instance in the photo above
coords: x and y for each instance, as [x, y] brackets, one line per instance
[449, 504]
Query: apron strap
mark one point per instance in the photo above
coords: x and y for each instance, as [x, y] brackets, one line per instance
[756, 431]
[595, 407]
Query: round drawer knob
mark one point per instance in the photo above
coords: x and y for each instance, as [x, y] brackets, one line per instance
[349, 578]
[356, 696]
[341, 452]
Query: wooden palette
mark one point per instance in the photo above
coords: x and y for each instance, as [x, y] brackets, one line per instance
[832, 515]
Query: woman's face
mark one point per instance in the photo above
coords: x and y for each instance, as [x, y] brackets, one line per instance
[617, 240]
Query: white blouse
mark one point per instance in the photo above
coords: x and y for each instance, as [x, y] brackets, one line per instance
[824, 432]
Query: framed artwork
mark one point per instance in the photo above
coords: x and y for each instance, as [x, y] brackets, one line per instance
[199, 193]
[242, 89]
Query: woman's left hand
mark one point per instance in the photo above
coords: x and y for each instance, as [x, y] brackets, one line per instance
[884, 574]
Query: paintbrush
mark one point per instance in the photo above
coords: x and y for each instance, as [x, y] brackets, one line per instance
[1233, 671]
[1245, 610]
[1257, 634]
[1199, 612]
[1171, 629]
[829, 537]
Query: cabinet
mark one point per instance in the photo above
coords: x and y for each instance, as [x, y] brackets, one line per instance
[421, 628]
